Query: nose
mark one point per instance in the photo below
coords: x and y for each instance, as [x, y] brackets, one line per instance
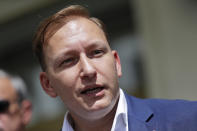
[87, 68]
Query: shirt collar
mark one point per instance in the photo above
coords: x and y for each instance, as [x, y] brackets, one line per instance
[121, 118]
[66, 125]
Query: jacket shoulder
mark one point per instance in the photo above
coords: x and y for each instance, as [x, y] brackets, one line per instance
[168, 115]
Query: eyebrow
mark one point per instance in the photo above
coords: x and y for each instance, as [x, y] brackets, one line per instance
[95, 44]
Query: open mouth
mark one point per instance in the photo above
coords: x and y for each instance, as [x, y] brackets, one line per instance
[92, 90]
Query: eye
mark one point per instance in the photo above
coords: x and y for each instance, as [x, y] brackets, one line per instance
[97, 53]
[68, 62]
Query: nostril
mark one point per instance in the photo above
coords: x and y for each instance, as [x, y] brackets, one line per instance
[88, 74]
[88, 78]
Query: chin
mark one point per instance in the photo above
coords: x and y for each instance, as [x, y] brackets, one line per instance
[96, 114]
[99, 110]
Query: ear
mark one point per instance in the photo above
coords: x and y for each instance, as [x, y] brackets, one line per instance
[117, 62]
[26, 111]
[46, 86]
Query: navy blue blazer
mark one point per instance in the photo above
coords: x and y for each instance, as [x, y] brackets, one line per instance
[161, 115]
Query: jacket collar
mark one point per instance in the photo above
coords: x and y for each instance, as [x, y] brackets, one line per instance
[138, 108]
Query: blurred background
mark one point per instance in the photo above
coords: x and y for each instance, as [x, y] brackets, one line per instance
[156, 41]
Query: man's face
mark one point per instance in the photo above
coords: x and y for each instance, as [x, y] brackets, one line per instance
[10, 119]
[82, 69]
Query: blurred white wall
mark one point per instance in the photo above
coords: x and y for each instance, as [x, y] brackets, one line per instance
[168, 29]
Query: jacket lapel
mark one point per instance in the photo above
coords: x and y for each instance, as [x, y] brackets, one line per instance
[140, 116]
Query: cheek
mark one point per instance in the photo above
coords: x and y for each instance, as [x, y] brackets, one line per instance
[108, 74]
[9, 122]
[65, 92]
[65, 84]
[64, 79]
[4, 120]
[62, 86]
[107, 69]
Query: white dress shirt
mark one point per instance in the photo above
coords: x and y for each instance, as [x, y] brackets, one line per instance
[120, 122]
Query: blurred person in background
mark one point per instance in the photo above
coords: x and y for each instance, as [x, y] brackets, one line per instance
[15, 109]
[80, 67]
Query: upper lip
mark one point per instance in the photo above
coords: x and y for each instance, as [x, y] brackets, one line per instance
[88, 87]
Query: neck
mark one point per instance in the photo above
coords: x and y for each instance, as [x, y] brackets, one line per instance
[102, 124]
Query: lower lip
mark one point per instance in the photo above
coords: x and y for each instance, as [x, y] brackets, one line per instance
[97, 94]
[100, 93]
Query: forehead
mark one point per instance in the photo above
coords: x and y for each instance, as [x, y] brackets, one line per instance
[6, 89]
[78, 29]
[77, 34]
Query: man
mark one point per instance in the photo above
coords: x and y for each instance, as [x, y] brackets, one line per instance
[80, 67]
[15, 109]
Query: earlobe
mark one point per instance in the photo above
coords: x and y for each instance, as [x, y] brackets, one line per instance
[45, 83]
[117, 62]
